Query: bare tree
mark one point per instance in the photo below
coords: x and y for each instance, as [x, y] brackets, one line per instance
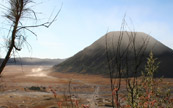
[115, 55]
[125, 58]
[18, 10]
[135, 60]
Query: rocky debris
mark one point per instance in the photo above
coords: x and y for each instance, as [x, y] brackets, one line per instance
[36, 88]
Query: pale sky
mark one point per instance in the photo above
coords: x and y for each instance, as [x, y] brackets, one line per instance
[81, 22]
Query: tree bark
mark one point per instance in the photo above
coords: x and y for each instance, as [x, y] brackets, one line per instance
[12, 43]
[9, 50]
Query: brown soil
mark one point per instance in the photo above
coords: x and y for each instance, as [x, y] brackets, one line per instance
[30, 87]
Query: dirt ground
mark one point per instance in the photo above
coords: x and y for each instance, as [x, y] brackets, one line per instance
[38, 87]
[30, 87]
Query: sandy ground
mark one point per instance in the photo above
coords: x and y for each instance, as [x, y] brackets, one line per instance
[31, 87]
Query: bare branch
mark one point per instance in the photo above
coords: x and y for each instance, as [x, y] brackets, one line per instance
[18, 49]
[31, 31]
[15, 12]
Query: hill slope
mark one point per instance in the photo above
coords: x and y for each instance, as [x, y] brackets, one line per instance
[33, 61]
[92, 60]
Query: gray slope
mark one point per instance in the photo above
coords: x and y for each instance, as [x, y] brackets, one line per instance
[92, 60]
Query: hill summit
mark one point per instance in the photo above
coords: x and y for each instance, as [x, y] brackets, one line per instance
[93, 59]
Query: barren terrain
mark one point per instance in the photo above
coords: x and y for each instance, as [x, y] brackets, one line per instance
[32, 86]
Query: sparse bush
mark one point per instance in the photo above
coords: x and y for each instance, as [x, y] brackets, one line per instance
[150, 93]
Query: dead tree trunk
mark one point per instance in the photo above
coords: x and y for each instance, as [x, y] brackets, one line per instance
[15, 12]
[19, 9]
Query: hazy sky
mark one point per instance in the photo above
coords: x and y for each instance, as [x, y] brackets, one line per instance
[81, 22]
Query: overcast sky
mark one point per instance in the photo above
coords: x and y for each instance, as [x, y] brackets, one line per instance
[81, 22]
